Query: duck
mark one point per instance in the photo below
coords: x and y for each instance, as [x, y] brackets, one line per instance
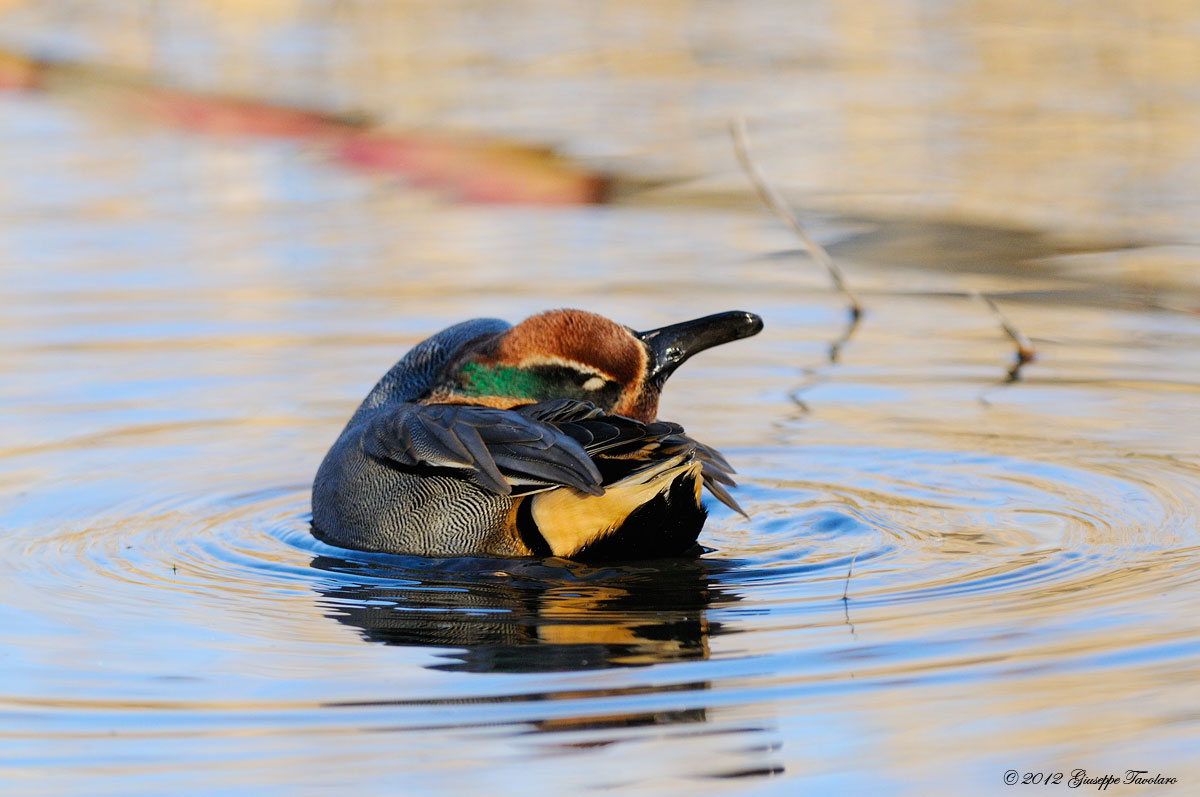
[539, 439]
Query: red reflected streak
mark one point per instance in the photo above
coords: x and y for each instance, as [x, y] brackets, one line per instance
[468, 169]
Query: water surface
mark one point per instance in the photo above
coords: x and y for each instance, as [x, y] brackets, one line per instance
[942, 577]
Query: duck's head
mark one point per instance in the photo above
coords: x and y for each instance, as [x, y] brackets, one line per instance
[580, 355]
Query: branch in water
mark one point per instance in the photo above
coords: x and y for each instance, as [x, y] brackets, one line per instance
[1025, 352]
[835, 348]
[776, 203]
[846, 598]
[846, 591]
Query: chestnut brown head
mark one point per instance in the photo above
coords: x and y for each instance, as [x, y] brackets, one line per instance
[580, 355]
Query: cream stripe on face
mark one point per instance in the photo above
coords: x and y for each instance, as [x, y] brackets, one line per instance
[597, 380]
[562, 361]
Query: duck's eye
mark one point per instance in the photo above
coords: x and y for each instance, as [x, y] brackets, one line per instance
[595, 383]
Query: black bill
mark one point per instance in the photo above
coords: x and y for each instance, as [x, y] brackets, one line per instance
[671, 346]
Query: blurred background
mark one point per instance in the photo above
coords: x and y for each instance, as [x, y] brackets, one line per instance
[221, 221]
[1080, 118]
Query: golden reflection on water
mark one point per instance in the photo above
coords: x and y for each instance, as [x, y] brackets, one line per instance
[533, 621]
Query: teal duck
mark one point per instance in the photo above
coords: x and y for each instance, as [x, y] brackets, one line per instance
[539, 439]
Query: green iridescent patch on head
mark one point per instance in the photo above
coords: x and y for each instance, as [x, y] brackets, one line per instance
[500, 380]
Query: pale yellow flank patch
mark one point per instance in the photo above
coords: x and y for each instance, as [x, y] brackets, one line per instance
[569, 519]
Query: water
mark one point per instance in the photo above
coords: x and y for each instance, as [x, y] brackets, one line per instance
[943, 576]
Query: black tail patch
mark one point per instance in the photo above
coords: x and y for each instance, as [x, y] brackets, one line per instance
[666, 526]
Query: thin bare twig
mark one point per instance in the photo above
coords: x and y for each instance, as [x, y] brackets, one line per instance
[776, 203]
[835, 348]
[846, 591]
[811, 380]
[773, 200]
[1025, 352]
[846, 597]
[814, 376]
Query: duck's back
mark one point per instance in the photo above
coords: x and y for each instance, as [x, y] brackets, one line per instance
[362, 502]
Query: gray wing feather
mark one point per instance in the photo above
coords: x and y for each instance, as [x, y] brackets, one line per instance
[602, 434]
[499, 448]
[715, 471]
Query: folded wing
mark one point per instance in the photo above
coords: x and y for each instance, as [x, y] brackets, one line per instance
[537, 446]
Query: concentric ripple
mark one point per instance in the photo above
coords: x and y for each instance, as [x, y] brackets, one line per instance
[903, 535]
[863, 573]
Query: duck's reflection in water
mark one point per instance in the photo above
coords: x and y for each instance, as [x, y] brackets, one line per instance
[530, 616]
[526, 615]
